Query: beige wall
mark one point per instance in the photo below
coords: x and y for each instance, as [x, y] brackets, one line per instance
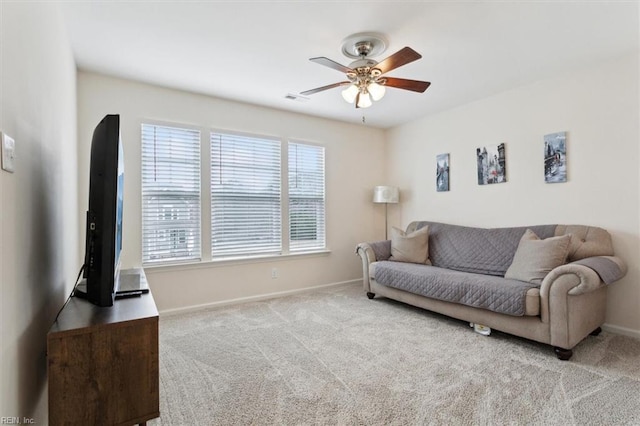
[354, 164]
[598, 108]
[39, 255]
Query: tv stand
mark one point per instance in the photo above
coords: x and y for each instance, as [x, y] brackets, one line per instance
[103, 362]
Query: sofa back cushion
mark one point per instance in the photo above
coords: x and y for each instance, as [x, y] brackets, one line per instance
[586, 241]
[479, 250]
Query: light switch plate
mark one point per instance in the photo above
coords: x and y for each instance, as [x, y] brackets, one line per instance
[8, 153]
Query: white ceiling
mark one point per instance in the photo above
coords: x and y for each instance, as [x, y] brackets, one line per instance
[258, 51]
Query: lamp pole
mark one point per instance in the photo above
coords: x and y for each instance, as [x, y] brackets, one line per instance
[386, 226]
[386, 195]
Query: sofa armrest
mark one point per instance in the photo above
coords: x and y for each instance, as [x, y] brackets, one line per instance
[609, 268]
[556, 286]
[592, 272]
[584, 280]
[378, 250]
[369, 253]
[573, 299]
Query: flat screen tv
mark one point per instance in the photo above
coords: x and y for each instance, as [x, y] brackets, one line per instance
[104, 217]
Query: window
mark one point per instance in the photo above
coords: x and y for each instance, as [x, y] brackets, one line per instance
[251, 183]
[306, 197]
[170, 194]
[246, 213]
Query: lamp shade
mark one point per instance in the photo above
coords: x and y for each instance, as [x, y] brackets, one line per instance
[349, 94]
[376, 91]
[364, 100]
[386, 194]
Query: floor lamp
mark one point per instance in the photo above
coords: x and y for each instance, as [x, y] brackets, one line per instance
[386, 195]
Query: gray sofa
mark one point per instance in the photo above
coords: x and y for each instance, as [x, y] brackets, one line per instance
[464, 277]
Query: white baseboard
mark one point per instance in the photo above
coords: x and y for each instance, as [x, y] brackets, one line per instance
[256, 298]
[616, 329]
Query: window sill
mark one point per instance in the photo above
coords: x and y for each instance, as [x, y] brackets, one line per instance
[232, 261]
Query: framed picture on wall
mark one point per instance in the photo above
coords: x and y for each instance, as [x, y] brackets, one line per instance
[492, 164]
[442, 172]
[555, 157]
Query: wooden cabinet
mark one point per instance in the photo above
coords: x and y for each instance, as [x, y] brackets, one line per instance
[103, 363]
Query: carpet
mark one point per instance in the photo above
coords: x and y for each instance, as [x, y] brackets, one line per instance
[333, 357]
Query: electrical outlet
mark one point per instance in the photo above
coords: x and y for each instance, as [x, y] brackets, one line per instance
[8, 152]
[274, 273]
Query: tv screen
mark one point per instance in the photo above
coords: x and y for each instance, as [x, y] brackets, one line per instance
[104, 217]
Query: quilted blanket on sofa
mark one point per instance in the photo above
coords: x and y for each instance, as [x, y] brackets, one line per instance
[479, 250]
[496, 294]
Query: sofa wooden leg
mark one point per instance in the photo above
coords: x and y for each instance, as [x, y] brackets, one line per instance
[371, 295]
[596, 331]
[563, 354]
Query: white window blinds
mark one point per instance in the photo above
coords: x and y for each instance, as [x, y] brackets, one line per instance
[170, 194]
[245, 195]
[306, 197]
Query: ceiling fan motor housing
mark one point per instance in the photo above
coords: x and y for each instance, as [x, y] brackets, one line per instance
[363, 63]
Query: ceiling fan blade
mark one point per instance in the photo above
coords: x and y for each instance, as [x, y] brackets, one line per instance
[402, 83]
[331, 64]
[320, 89]
[398, 59]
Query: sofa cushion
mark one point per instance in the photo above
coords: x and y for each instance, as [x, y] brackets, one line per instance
[535, 258]
[479, 250]
[413, 247]
[493, 293]
[532, 301]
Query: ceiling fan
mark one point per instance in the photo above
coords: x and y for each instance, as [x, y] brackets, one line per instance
[366, 81]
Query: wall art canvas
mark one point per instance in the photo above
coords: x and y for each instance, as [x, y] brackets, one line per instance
[555, 157]
[492, 166]
[442, 172]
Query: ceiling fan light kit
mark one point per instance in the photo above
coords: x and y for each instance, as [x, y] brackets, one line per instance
[365, 81]
[364, 89]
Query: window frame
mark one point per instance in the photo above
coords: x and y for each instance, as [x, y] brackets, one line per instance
[206, 258]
